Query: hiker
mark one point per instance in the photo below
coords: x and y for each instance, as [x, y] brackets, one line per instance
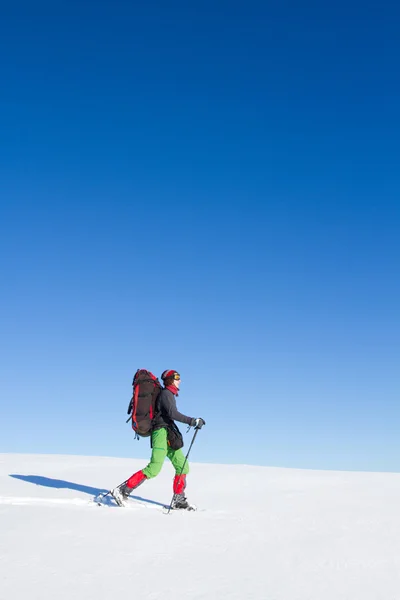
[166, 440]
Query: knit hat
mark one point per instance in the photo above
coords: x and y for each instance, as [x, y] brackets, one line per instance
[169, 373]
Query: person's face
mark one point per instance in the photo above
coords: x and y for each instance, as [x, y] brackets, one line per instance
[177, 380]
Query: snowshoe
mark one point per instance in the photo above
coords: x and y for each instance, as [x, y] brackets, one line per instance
[180, 503]
[120, 494]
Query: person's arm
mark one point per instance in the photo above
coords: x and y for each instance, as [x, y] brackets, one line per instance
[169, 405]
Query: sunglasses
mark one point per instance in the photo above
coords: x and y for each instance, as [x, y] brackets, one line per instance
[177, 377]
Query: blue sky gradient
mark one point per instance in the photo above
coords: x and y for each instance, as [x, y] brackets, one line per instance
[208, 187]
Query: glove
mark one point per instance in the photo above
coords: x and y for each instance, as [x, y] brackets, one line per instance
[198, 423]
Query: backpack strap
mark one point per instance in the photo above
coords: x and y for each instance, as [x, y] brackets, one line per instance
[135, 398]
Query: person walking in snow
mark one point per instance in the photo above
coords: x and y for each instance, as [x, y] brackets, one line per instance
[166, 441]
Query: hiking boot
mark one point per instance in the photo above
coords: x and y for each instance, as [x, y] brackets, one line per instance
[121, 494]
[180, 501]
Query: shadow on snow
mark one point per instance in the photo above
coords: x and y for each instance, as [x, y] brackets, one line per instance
[61, 484]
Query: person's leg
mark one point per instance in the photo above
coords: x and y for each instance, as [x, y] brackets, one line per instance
[177, 459]
[121, 493]
[135, 480]
[158, 454]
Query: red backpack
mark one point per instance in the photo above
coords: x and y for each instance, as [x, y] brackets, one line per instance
[142, 407]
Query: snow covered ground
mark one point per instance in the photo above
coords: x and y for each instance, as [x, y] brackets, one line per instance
[260, 533]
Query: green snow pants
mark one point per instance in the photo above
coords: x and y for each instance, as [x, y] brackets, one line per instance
[160, 450]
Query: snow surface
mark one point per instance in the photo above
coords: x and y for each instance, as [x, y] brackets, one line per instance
[260, 533]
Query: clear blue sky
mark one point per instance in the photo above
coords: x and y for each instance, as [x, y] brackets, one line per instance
[211, 187]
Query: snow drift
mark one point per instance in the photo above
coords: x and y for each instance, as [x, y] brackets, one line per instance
[259, 533]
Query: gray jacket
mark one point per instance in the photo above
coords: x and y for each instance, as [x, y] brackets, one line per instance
[167, 412]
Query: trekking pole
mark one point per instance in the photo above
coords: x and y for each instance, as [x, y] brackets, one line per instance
[183, 466]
